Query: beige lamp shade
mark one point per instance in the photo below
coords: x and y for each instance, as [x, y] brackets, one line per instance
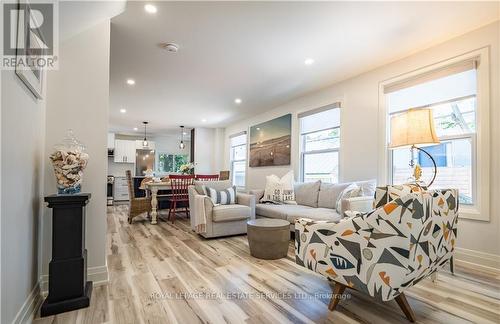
[413, 127]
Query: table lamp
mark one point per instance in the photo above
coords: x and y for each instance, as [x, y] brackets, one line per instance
[411, 128]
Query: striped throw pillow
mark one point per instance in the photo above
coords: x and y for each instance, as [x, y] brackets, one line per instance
[221, 197]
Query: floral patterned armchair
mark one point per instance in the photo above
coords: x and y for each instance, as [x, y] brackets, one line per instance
[410, 235]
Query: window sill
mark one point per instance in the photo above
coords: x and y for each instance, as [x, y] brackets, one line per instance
[472, 213]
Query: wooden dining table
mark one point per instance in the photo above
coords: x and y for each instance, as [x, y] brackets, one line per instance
[153, 188]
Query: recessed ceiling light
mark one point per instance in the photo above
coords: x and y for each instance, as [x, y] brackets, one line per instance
[203, 120]
[237, 101]
[150, 8]
[184, 133]
[123, 110]
[309, 61]
[130, 81]
[136, 129]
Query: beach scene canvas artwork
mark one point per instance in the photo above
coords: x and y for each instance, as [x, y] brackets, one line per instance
[270, 142]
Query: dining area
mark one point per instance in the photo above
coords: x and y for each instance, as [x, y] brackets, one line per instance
[151, 194]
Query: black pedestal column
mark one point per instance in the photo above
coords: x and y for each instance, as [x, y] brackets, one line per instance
[68, 285]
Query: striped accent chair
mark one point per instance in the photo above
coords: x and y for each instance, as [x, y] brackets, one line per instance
[384, 252]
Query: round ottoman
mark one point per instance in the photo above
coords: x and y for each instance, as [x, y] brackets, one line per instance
[268, 238]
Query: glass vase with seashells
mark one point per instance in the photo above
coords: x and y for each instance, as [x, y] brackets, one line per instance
[69, 159]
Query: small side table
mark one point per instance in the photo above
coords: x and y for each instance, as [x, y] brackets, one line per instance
[68, 285]
[268, 238]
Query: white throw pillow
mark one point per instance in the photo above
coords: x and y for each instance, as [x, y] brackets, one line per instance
[353, 190]
[279, 190]
[368, 187]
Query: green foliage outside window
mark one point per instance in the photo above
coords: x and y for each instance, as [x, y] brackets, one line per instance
[171, 162]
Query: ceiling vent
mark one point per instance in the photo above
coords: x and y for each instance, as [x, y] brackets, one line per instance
[171, 47]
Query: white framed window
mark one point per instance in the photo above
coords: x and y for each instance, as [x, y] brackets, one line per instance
[238, 158]
[320, 144]
[457, 92]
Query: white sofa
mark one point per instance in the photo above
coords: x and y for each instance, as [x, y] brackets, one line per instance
[317, 201]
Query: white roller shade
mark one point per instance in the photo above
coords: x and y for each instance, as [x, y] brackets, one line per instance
[238, 139]
[238, 134]
[461, 84]
[432, 75]
[323, 118]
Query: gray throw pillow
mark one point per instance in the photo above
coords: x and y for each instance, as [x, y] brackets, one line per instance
[328, 194]
[306, 193]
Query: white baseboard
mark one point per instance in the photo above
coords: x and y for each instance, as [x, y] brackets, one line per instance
[98, 276]
[482, 259]
[30, 306]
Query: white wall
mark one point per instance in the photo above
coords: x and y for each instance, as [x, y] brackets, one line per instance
[170, 144]
[22, 142]
[219, 149]
[204, 147]
[78, 98]
[360, 134]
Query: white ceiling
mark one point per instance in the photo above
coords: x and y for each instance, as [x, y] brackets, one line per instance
[76, 16]
[256, 51]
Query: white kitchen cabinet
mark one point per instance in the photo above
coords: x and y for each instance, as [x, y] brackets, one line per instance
[130, 152]
[111, 141]
[124, 151]
[119, 155]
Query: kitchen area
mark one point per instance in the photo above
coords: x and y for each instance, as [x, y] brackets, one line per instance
[157, 156]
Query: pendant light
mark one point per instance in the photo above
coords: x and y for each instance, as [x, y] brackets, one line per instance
[181, 144]
[145, 141]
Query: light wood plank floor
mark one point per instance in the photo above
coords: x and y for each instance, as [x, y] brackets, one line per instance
[166, 274]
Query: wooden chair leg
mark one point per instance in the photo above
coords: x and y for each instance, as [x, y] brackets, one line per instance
[174, 211]
[452, 266]
[130, 217]
[170, 210]
[434, 276]
[338, 290]
[405, 307]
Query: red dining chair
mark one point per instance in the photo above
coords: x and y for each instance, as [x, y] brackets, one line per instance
[207, 177]
[180, 184]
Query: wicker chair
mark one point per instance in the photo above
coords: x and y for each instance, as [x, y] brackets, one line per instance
[137, 205]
